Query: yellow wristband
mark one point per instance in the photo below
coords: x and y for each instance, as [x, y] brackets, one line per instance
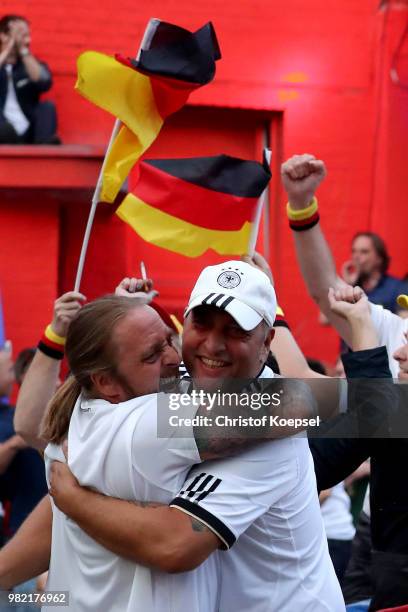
[51, 335]
[305, 213]
[402, 300]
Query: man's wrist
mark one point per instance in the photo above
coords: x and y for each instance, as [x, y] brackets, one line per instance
[304, 218]
[358, 320]
[24, 51]
[300, 202]
[363, 333]
[52, 344]
[72, 500]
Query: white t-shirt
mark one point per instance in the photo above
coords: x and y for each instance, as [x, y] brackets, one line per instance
[390, 329]
[337, 519]
[264, 503]
[115, 449]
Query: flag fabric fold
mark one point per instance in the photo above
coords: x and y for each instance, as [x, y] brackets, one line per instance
[141, 93]
[191, 205]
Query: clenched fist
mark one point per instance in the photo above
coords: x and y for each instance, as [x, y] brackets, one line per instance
[66, 308]
[349, 303]
[301, 176]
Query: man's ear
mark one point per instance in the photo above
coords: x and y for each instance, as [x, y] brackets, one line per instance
[271, 336]
[267, 344]
[107, 387]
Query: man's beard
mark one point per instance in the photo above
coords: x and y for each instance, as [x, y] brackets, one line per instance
[169, 384]
[130, 393]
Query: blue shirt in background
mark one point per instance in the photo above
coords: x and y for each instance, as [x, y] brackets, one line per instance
[386, 292]
[23, 483]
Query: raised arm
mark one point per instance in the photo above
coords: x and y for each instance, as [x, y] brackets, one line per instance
[40, 381]
[7, 48]
[351, 304]
[374, 401]
[336, 458]
[36, 71]
[301, 176]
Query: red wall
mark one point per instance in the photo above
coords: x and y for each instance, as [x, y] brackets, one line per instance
[28, 264]
[322, 67]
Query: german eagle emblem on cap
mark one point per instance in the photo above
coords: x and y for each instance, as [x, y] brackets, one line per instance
[229, 279]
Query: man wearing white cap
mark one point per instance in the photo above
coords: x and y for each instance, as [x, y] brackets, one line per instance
[237, 302]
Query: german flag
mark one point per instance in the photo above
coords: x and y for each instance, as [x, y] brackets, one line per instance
[191, 205]
[141, 93]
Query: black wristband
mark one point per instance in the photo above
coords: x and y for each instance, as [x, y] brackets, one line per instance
[50, 352]
[297, 226]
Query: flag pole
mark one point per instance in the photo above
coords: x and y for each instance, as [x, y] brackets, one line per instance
[95, 200]
[257, 220]
[255, 229]
[148, 33]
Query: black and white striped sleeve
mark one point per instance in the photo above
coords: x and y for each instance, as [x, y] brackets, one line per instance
[228, 495]
[190, 501]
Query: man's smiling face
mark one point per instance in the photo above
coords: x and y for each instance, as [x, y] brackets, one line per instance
[215, 348]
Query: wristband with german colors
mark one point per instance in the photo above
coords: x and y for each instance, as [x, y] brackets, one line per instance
[50, 349]
[302, 220]
[53, 337]
[51, 344]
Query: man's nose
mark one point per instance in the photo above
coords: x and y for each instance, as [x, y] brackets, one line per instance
[214, 343]
[398, 355]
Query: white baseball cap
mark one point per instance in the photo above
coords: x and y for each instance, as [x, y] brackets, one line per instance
[243, 291]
